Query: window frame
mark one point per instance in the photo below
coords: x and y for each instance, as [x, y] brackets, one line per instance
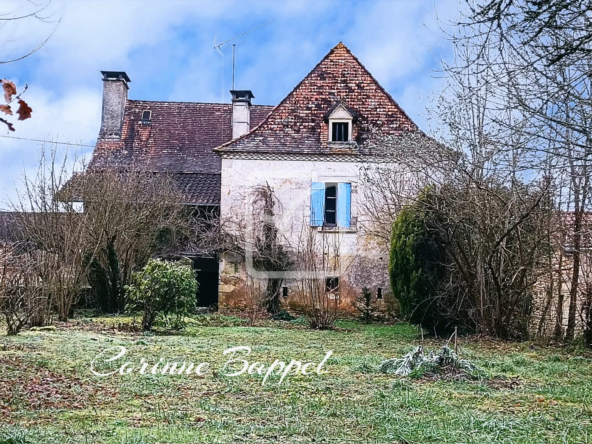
[349, 123]
[332, 289]
[149, 119]
[335, 185]
[341, 203]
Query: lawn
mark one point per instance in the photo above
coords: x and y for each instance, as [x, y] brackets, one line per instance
[49, 395]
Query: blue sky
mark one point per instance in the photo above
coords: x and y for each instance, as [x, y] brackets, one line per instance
[166, 47]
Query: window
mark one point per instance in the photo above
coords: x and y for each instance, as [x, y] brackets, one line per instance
[340, 119]
[285, 292]
[146, 116]
[330, 205]
[330, 218]
[340, 131]
[332, 284]
[379, 293]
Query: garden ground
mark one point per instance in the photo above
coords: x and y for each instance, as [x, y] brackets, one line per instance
[531, 393]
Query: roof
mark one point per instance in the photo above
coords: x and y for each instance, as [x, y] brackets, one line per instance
[179, 138]
[195, 188]
[202, 189]
[297, 124]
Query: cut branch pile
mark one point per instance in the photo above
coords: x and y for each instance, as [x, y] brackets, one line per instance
[416, 360]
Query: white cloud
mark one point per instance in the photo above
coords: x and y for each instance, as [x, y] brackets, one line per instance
[167, 49]
[73, 118]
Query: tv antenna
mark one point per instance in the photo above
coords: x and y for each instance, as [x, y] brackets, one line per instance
[220, 45]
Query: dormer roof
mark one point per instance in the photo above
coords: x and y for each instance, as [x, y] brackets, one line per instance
[340, 111]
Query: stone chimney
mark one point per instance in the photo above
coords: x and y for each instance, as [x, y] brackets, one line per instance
[241, 112]
[114, 98]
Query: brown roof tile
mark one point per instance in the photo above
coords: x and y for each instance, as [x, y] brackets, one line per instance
[196, 189]
[199, 189]
[179, 138]
[297, 124]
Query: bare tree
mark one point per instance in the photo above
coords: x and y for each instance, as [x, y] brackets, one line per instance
[129, 216]
[536, 56]
[256, 235]
[321, 269]
[94, 228]
[255, 298]
[491, 197]
[19, 286]
[395, 173]
[534, 19]
[27, 12]
[271, 253]
[55, 229]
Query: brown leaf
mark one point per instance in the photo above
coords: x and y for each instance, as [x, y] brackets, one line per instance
[24, 110]
[9, 90]
[6, 109]
[8, 124]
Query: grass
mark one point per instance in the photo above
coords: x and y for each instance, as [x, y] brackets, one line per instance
[48, 394]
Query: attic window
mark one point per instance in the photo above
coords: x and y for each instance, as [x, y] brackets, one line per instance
[340, 131]
[340, 124]
[146, 116]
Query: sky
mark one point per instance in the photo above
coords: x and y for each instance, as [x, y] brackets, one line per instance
[167, 49]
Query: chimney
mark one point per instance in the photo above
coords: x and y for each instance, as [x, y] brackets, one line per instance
[114, 98]
[241, 111]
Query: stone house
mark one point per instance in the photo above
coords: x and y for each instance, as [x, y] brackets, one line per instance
[308, 149]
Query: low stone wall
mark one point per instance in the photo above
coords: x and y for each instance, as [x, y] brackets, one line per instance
[236, 287]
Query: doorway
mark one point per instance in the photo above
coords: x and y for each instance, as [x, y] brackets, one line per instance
[207, 277]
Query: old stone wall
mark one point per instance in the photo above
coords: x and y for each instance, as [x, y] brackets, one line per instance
[549, 290]
[363, 260]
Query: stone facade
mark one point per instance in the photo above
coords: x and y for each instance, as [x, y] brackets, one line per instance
[363, 259]
[322, 133]
[295, 151]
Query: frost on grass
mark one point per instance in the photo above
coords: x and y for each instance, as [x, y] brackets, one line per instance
[417, 359]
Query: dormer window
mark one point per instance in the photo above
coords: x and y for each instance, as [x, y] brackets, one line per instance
[340, 131]
[340, 124]
[146, 116]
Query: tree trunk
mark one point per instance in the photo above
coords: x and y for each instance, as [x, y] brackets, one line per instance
[273, 295]
[575, 277]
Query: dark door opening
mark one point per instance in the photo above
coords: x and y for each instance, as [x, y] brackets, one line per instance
[207, 277]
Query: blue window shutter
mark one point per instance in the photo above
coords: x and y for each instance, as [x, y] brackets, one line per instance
[344, 204]
[317, 204]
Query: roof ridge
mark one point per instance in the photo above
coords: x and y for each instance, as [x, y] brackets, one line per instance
[377, 82]
[195, 103]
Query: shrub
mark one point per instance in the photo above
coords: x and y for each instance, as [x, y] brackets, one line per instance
[365, 306]
[417, 265]
[162, 288]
